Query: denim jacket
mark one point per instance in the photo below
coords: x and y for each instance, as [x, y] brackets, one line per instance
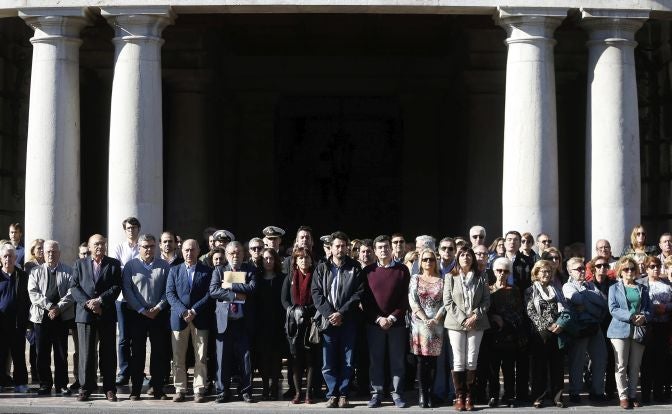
[620, 326]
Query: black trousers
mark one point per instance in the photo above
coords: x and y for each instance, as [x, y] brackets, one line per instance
[52, 335]
[99, 336]
[157, 330]
[14, 344]
[547, 362]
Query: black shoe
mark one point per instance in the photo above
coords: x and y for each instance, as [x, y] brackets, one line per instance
[84, 396]
[494, 402]
[289, 394]
[199, 398]
[247, 397]
[75, 386]
[179, 397]
[44, 391]
[134, 397]
[575, 399]
[223, 397]
[159, 396]
[597, 399]
[64, 391]
[122, 381]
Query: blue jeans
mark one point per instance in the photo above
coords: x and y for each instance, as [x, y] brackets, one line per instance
[124, 346]
[396, 338]
[595, 346]
[337, 352]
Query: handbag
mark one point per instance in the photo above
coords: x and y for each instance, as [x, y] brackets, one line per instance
[639, 334]
[314, 333]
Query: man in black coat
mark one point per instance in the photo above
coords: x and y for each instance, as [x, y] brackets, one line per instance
[96, 283]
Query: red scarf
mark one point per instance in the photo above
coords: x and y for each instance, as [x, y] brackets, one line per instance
[301, 288]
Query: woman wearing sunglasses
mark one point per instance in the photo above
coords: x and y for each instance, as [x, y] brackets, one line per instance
[629, 306]
[656, 358]
[425, 297]
[466, 296]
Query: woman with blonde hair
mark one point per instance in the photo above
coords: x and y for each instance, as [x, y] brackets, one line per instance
[425, 298]
[637, 249]
[544, 302]
[466, 297]
[36, 255]
[630, 308]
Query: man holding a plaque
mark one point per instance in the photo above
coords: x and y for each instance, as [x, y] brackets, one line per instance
[232, 286]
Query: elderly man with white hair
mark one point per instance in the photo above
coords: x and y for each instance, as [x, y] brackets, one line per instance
[52, 311]
[14, 305]
[477, 236]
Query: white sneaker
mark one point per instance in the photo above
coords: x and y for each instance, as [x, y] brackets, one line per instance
[22, 389]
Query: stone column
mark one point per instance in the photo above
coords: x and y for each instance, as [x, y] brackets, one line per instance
[613, 181]
[135, 183]
[52, 208]
[530, 167]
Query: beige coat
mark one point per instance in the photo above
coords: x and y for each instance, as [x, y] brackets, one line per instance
[37, 287]
[453, 300]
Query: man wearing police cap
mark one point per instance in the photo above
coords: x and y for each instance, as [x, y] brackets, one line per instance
[220, 239]
[273, 237]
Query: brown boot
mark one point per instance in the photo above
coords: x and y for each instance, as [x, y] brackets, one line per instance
[470, 383]
[458, 382]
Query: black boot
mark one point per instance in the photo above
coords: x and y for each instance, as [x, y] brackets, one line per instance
[422, 382]
[431, 377]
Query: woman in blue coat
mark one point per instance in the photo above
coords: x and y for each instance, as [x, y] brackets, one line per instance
[629, 306]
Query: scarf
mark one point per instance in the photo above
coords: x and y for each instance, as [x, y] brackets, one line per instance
[468, 288]
[539, 294]
[301, 288]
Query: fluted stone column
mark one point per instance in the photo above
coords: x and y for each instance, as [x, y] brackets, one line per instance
[530, 176]
[135, 183]
[52, 209]
[613, 179]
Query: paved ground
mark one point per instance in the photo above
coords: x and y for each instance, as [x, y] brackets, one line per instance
[31, 403]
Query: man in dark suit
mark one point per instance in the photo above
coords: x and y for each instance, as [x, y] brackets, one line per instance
[96, 283]
[190, 316]
[14, 306]
[235, 323]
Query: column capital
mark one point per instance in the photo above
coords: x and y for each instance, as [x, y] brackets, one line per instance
[529, 24]
[56, 23]
[613, 25]
[138, 22]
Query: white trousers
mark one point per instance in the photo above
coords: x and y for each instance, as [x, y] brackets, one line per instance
[628, 354]
[465, 345]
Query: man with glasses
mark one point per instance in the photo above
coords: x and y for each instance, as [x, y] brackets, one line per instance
[543, 242]
[385, 302]
[603, 250]
[477, 236]
[125, 252]
[255, 246]
[481, 252]
[144, 286]
[588, 305]
[234, 313]
[665, 245]
[603, 277]
[398, 247]
[446, 255]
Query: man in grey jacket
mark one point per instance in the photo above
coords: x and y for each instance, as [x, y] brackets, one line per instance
[51, 310]
[144, 286]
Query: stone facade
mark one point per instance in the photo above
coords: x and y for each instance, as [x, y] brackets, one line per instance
[422, 121]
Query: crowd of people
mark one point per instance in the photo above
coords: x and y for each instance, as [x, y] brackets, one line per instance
[346, 318]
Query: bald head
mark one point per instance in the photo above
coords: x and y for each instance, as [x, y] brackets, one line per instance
[190, 251]
[97, 246]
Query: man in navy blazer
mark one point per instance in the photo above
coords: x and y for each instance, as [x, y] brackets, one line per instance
[95, 285]
[235, 323]
[191, 312]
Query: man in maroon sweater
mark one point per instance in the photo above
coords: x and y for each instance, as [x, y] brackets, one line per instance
[385, 302]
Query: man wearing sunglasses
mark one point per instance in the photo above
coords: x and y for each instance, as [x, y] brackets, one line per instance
[477, 236]
[446, 255]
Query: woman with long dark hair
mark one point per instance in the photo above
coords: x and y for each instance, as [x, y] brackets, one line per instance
[270, 335]
[299, 307]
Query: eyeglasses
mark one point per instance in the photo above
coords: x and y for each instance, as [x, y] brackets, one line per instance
[654, 266]
[505, 271]
[628, 269]
[398, 241]
[428, 259]
[641, 233]
[546, 241]
[477, 236]
[449, 248]
[554, 258]
[602, 265]
[580, 269]
[256, 248]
